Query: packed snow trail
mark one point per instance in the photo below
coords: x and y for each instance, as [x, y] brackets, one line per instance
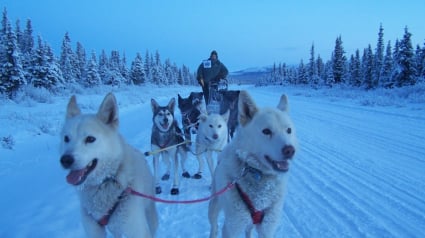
[359, 171]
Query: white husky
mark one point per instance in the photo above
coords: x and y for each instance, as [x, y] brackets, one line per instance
[256, 162]
[211, 137]
[102, 166]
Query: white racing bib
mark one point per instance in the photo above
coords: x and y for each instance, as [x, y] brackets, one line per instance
[207, 64]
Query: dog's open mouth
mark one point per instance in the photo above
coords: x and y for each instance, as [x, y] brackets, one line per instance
[165, 125]
[77, 177]
[282, 166]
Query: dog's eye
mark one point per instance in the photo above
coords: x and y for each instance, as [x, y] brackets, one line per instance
[219, 126]
[267, 131]
[211, 126]
[66, 139]
[289, 130]
[90, 139]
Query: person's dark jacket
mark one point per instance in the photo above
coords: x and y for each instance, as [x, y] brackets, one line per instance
[214, 73]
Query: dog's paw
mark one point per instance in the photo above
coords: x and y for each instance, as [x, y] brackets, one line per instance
[197, 175]
[175, 191]
[186, 174]
[158, 190]
[166, 177]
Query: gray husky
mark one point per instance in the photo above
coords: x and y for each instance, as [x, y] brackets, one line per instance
[167, 140]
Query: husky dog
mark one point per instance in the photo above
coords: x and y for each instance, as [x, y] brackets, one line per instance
[212, 137]
[191, 108]
[256, 162]
[167, 135]
[230, 102]
[102, 166]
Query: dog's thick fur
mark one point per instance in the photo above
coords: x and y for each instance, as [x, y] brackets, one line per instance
[166, 134]
[191, 108]
[102, 166]
[211, 137]
[257, 158]
[230, 103]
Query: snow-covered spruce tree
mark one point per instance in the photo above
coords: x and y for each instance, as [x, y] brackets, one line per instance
[45, 70]
[339, 62]
[313, 76]
[368, 79]
[387, 68]
[92, 74]
[68, 62]
[148, 66]
[158, 76]
[26, 45]
[355, 70]
[11, 73]
[114, 76]
[81, 61]
[137, 71]
[103, 67]
[124, 71]
[405, 63]
[379, 57]
[302, 74]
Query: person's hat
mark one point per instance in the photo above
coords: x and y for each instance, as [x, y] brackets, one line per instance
[213, 53]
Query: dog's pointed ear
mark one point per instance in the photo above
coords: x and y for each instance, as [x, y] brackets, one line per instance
[108, 111]
[179, 98]
[171, 105]
[72, 110]
[226, 116]
[246, 108]
[202, 117]
[154, 105]
[283, 103]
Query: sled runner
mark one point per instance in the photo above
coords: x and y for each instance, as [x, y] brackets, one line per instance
[216, 99]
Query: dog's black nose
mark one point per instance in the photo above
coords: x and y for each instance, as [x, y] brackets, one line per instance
[288, 151]
[67, 161]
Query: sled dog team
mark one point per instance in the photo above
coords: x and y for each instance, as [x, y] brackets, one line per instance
[253, 165]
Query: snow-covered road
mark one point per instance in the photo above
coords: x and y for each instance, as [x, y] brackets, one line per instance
[360, 172]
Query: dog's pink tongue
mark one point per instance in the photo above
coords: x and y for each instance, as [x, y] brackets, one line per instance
[75, 176]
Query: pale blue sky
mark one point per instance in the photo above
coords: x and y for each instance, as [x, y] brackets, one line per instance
[245, 33]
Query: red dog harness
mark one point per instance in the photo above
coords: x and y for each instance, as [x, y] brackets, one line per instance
[256, 215]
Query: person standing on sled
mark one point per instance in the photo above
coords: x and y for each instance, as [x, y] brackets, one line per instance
[211, 71]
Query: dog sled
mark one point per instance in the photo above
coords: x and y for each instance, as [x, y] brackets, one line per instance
[216, 97]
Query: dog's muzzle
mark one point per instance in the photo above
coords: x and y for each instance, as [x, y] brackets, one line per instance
[77, 176]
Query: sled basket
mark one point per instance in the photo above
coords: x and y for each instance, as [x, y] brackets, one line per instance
[216, 97]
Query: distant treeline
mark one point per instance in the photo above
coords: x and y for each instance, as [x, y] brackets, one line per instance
[25, 61]
[383, 67]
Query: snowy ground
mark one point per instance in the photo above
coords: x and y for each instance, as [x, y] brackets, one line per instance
[360, 170]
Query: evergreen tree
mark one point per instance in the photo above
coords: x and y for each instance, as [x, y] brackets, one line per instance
[11, 73]
[338, 62]
[44, 70]
[406, 68]
[158, 76]
[124, 70]
[355, 70]
[81, 61]
[379, 56]
[27, 49]
[148, 66]
[368, 79]
[93, 77]
[68, 62]
[104, 67]
[137, 71]
[302, 73]
[320, 68]
[387, 68]
[313, 77]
